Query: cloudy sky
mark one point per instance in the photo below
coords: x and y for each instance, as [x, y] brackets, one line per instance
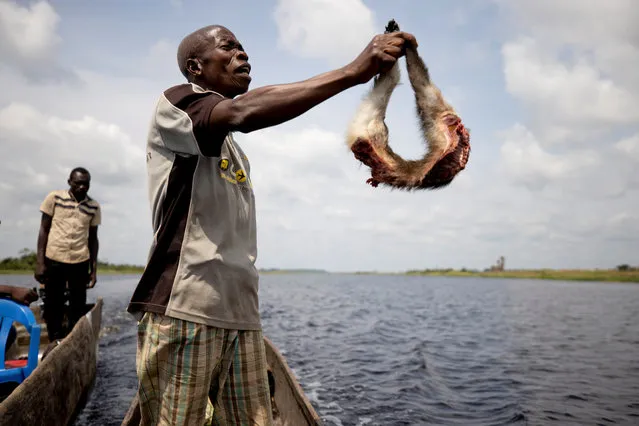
[549, 90]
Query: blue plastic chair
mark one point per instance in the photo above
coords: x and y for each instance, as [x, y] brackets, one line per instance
[11, 311]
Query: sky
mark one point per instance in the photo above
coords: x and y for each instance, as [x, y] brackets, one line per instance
[548, 89]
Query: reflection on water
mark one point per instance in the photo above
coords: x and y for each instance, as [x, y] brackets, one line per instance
[381, 350]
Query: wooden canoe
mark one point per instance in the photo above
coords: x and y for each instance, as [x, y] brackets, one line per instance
[58, 388]
[290, 405]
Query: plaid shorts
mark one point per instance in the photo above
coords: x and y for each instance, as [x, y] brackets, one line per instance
[182, 365]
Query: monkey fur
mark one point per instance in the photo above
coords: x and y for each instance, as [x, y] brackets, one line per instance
[447, 140]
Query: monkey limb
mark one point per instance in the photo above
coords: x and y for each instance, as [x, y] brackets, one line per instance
[447, 140]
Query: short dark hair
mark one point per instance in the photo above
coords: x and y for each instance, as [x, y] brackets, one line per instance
[192, 46]
[79, 170]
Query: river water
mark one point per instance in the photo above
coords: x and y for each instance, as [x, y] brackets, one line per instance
[397, 350]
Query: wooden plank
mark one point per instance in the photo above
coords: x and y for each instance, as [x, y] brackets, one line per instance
[291, 407]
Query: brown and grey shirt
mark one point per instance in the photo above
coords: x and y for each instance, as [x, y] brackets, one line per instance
[68, 240]
[201, 265]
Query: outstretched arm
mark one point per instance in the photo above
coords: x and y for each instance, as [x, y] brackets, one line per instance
[43, 238]
[271, 105]
[93, 253]
[21, 295]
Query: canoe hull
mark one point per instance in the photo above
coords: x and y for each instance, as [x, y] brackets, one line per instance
[58, 388]
[291, 407]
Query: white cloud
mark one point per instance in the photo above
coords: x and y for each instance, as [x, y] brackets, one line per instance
[305, 171]
[525, 160]
[570, 94]
[100, 123]
[161, 60]
[622, 226]
[572, 63]
[549, 205]
[584, 175]
[309, 188]
[629, 146]
[333, 30]
[333, 211]
[29, 39]
[44, 148]
[28, 33]
[577, 22]
[59, 143]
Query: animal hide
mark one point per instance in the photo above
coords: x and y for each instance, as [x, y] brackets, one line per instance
[447, 140]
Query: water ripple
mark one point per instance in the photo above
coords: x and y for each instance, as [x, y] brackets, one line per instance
[373, 350]
[458, 352]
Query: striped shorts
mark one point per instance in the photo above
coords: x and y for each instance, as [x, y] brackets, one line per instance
[186, 370]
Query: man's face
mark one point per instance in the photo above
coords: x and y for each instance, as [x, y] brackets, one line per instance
[223, 65]
[79, 184]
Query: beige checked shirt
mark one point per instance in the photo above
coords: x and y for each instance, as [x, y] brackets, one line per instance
[69, 235]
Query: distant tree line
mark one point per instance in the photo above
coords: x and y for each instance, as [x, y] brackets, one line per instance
[27, 259]
[441, 270]
[626, 267]
[496, 268]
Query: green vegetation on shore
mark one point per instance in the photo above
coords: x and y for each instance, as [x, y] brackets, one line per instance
[26, 260]
[119, 269]
[620, 274]
[292, 271]
[25, 263]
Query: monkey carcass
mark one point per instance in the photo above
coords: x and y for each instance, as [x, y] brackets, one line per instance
[447, 140]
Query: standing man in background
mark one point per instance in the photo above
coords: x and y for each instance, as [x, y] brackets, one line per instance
[67, 251]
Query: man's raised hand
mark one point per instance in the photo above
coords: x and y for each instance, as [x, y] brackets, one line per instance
[380, 55]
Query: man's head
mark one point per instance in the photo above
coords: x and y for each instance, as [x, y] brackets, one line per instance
[214, 59]
[79, 182]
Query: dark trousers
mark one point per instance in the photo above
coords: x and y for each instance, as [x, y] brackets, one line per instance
[64, 279]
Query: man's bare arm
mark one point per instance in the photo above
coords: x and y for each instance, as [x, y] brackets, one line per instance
[271, 105]
[43, 238]
[93, 253]
[19, 294]
[6, 290]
